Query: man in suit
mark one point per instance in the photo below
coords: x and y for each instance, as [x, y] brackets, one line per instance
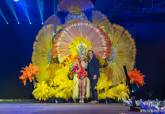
[93, 73]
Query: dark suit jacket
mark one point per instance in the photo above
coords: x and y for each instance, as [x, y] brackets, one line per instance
[93, 68]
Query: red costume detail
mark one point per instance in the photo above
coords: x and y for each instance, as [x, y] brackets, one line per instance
[79, 70]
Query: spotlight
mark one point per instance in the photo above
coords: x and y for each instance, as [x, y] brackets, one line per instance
[30, 23]
[18, 22]
[16, 0]
[42, 23]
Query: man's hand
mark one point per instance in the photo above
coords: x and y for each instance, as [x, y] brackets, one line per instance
[94, 77]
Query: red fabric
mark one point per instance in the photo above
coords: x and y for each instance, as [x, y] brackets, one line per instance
[79, 70]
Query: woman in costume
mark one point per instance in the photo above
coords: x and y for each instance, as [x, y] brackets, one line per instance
[80, 69]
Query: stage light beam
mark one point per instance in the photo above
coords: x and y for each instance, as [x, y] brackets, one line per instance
[25, 9]
[41, 7]
[55, 6]
[3, 16]
[11, 7]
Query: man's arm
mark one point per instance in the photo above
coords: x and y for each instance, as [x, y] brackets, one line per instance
[96, 68]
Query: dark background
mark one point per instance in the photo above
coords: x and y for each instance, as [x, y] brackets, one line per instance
[144, 19]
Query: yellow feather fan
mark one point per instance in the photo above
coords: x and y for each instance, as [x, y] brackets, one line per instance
[123, 52]
[41, 56]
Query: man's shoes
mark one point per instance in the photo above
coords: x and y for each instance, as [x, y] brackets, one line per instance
[94, 102]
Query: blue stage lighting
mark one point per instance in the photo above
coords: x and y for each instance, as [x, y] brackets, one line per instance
[16, 0]
[3, 16]
[12, 8]
[55, 6]
[40, 7]
[24, 6]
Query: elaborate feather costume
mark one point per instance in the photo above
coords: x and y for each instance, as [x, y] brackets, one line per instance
[57, 46]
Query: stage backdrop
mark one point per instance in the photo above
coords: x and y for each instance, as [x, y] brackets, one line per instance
[16, 42]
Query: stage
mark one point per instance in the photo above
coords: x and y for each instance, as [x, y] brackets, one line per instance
[62, 108]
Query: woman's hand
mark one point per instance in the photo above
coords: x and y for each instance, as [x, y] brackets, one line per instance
[82, 77]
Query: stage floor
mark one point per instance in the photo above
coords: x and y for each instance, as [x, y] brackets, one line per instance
[50, 108]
